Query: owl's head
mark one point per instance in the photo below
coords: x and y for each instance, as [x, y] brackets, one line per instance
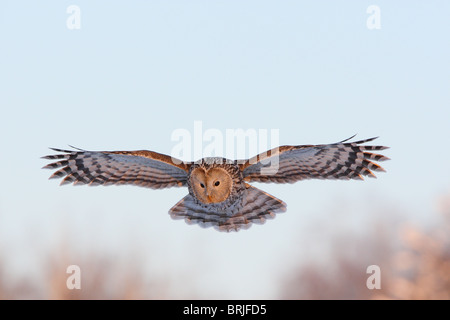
[211, 185]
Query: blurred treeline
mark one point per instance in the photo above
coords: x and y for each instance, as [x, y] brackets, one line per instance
[414, 263]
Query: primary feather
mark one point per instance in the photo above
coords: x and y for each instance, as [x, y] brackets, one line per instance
[350, 160]
[141, 168]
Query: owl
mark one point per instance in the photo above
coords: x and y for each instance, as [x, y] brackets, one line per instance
[220, 195]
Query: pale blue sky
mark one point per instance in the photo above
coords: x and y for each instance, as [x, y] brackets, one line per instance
[138, 70]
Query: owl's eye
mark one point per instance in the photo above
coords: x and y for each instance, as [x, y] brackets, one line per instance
[217, 183]
[202, 185]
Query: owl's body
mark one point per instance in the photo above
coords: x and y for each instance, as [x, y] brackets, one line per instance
[219, 193]
[237, 206]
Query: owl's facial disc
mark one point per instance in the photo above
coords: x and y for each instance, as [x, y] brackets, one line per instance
[211, 186]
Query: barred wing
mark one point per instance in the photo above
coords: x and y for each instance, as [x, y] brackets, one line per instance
[288, 164]
[141, 168]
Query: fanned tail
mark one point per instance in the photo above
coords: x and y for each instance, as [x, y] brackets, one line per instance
[257, 207]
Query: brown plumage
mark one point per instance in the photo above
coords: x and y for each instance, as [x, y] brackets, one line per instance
[219, 193]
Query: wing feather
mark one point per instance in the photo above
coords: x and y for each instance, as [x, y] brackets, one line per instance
[142, 168]
[288, 164]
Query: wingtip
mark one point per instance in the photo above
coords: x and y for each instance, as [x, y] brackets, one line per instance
[76, 148]
[60, 150]
[349, 138]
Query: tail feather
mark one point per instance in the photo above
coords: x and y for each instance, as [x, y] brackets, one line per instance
[257, 206]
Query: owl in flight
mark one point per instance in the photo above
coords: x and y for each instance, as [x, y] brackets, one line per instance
[219, 191]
